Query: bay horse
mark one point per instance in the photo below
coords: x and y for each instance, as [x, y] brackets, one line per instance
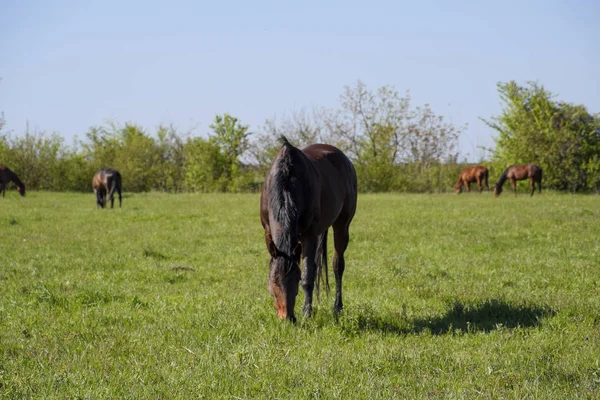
[306, 192]
[516, 173]
[107, 181]
[477, 174]
[7, 176]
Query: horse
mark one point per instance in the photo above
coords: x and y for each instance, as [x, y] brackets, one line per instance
[107, 181]
[477, 174]
[305, 192]
[516, 173]
[7, 176]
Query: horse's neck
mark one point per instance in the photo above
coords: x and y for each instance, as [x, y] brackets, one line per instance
[502, 179]
[15, 179]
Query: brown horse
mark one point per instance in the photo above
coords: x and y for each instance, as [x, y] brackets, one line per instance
[305, 192]
[516, 173]
[107, 181]
[6, 176]
[477, 174]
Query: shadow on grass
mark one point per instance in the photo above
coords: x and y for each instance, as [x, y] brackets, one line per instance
[460, 317]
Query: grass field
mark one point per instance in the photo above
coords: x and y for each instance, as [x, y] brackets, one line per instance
[446, 297]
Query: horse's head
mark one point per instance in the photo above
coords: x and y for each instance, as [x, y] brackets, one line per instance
[21, 190]
[284, 277]
[497, 190]
[457, 188]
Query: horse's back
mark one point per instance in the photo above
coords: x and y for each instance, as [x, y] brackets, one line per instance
[104, 177]
[338, 180]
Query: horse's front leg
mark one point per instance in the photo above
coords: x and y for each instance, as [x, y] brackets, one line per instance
[309, 248]
[98, 199]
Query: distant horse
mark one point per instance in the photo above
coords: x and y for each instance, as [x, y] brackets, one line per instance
[305, 192]
[6, 176]
[477, 174]
[107, 181]
[516, 173]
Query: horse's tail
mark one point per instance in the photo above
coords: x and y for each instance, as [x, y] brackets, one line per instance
[540, 182]
[321, 261]
[116, 186]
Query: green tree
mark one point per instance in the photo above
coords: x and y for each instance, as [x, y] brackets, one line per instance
[562, 138]
[35, 158]
[379, 131]
[204, 166]
[172, 158]
[138, 160]
[233, 139]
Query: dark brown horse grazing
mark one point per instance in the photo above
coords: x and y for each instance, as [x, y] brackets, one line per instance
[305, 192]
[477, 174]
[107, 181]
[6, 176]
[516, 173]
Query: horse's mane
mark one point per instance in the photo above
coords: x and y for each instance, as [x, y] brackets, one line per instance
[503, 177]
[282, 196]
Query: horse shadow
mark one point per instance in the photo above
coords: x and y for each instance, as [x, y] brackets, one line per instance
[460, 317]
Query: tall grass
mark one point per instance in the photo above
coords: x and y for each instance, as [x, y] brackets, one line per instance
[446, 297]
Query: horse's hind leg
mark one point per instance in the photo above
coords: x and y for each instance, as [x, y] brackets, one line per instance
[341, 237]
[479, 184]
[532, 185]
[111, 196]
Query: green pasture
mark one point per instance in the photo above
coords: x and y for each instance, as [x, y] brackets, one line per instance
[446, 296]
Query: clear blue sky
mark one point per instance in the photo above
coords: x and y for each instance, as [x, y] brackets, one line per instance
[66, 66]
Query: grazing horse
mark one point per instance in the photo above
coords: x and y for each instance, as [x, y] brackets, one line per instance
[6, 176]
[516, 173]
[305, 192]
[477, 174]
[107, 181]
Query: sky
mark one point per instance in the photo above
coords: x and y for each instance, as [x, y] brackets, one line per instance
[66, 66]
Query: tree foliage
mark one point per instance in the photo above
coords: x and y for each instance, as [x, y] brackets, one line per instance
[394, 146]
[382, 134]
[562, 138]
[164, 161]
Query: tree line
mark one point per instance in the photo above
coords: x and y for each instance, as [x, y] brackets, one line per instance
[394, 146]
